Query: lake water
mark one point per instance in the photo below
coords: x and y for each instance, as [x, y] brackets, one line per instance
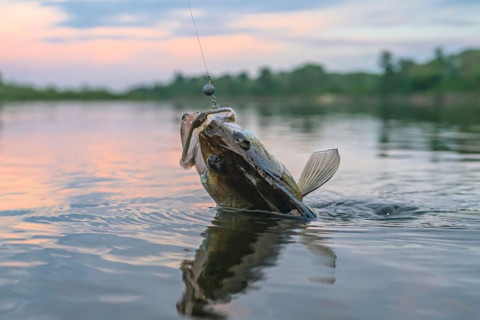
[98, 221]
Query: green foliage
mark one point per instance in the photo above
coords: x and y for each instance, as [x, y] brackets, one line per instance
[453, 73]
[17, 92]
[443, 73]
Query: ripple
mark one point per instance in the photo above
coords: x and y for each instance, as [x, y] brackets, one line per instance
[15, 212]
[21, 264]
[371, 213]
[116, 298]
[368, 209]
[113, 228]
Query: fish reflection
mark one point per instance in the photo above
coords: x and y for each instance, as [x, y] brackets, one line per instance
[237, 248]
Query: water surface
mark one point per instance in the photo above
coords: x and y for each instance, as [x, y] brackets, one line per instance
[98, 221]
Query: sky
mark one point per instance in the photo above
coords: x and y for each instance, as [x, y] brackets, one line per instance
[119, 44]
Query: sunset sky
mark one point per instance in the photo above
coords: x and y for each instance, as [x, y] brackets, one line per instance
[117, 44]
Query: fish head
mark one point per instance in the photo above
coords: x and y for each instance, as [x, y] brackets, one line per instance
[191, 126]
[221, 138]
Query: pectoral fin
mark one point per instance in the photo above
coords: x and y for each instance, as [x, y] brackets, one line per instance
[320, 167]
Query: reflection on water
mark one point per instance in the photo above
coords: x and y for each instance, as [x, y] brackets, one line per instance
[237, 247]
[98, 220]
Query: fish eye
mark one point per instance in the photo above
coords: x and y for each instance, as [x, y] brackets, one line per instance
[184, 116]
[216, 163]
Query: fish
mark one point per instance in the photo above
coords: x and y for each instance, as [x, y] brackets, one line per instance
[238, 172]
[237, 250]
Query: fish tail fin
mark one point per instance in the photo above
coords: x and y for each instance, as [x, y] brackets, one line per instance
[320, 167]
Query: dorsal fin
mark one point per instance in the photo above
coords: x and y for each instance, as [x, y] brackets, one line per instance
[320, 167]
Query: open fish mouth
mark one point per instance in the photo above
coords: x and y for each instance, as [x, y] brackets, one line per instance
[187, 120]
[190, 128]
[189, 137]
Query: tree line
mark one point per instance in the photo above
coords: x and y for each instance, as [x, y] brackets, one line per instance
[443, 73]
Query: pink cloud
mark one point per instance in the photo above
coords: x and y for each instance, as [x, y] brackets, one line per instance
[135, 51]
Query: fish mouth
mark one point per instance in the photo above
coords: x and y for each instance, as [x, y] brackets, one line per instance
[189, 139]
[186, 124]
[190, 128]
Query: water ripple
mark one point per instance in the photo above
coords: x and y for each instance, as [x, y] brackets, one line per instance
[97, 220]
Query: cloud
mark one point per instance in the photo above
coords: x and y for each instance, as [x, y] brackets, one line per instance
[89, 13]
[113, 56]
[338, 34]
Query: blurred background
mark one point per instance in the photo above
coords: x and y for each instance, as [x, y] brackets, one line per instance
[147, 49]
[98, 220]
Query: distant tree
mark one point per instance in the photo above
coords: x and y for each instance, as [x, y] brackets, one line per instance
[243, 77]
[179, 78]
[386, 63]
[404, 68]
[243, 83]
[442, 69]
[439, 55]
[404, 65]
[226, 84]
[266, 83]
[309, 79]
[178, 85]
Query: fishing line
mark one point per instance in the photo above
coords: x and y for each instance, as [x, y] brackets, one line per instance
[208, 89]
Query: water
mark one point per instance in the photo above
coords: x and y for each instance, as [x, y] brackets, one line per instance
[98, 221]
